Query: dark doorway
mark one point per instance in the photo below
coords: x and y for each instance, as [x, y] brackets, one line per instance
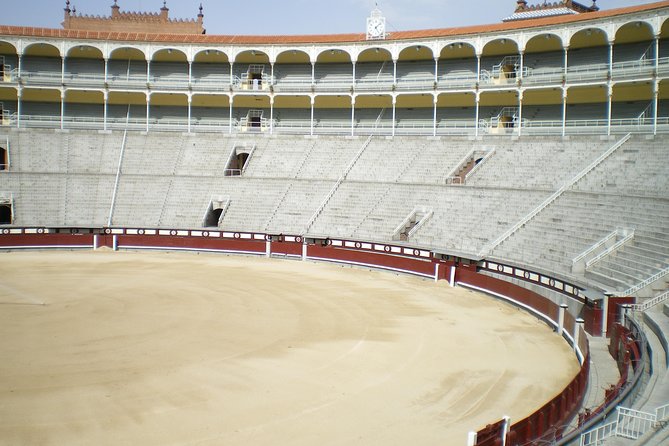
[3, 158]
[5, 214]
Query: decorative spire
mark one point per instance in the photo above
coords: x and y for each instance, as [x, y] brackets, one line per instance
[594, 6]
[67, 6]
[521, 5]
[164, 8]
[201, 14]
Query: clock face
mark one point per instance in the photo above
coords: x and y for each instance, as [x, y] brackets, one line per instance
[375, 27]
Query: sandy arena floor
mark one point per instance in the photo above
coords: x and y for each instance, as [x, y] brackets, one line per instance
[179, 349]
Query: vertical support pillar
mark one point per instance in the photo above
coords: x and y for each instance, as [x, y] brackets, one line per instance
[62, 70]
[564, 111]
[20, 67]
[394, 112]
[394, 71]
[471, 439]
[519, 75]
[451, 279]
[231, 74]
[190, 73]
[148, 72]
[436, 271]
[656, 100]
[271, 110]
[478, 101]
[95, 242]
[352, 115]
[311, 125]
[478, 68]
[190, 111]
[268, 248]
[563, 309]
[115, 242]
[435, 98]
[566, 62]
[313, 73]
[148, 110]
[230, 122]
[353, 80]
[19, 94]
[106, 69]
[520, 112]
[105, 96]
[271, 74]
[304, 250]
[609, 110]
[62, 109]
[436, 70]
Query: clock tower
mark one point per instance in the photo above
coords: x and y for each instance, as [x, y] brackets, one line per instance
[376, 25]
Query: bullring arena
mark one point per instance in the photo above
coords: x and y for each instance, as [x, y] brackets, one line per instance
[450, 236]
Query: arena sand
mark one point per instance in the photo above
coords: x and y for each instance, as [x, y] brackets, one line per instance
[104, 348]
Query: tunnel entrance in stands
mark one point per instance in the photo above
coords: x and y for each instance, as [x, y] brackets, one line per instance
[3, 158]
[5, 214]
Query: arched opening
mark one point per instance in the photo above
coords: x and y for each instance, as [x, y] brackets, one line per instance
[5, 213]
[252, 71]
[210, 112]
[542, 111]
[253, 113]
[414, 114]
[84, 62]
[457, 66]
[40, 58]
[239, 158]
[543, 60]
[500, 111]
[169, 66]
[215, 212]
[292, 71]
[4, 164]
[84, 108]
[634, 50]
[126, 66]
[332, 114]
[8, 61]
[500, 62]
[456, 113]
[415, 68]
[374, 69]
[169, 110]
[334, 70]
[211, 70]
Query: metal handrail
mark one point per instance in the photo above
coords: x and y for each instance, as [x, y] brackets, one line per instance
[644, 284]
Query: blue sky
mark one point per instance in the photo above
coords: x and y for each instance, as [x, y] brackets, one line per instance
[269, 17]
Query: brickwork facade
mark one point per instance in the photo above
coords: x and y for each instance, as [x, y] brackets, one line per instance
[133, 22]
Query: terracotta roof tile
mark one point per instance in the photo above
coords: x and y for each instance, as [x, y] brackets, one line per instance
[322, 39]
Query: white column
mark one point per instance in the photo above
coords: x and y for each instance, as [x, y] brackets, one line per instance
[20, 65]
[435, 98]
[563, 308]
[105, 96]
[478, 100]
[311, 125]
[19, 94]
[115, 242]
[656, 94]
[271, 110]
[106, 69]
[190, 101]
[62, 109]
[62, 70]
[520, 112]
[519, 75]
[190, 73]
[564, 111]
[451, 279]
[566, 61]
[148, 110]
[352, 115]
[230, 124]
[313, 73]
[271, 73]
[478, 68]
[231, 73]
[394, 111]
[148, 71]
[394, 71]
[353, 82]
[304, 250]
[436, 70]
[610, 58]
[609, 109]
